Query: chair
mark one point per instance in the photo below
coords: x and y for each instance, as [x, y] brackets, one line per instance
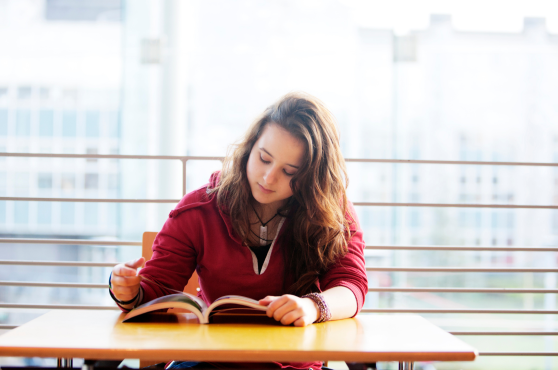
[147, 252]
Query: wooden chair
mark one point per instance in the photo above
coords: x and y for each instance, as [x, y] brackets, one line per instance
[146, 251]
[192, 286]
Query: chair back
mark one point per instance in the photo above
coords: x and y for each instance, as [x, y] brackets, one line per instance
[147, 252]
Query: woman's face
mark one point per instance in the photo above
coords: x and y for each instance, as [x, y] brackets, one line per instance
[273, 161]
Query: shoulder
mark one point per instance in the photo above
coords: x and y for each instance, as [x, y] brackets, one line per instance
[201, 197]
[351, 216]
[195, 199]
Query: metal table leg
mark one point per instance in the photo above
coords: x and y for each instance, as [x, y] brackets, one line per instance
[406, 365]
[88, 365]
[65, 362]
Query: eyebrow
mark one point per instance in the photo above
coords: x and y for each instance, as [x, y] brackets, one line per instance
[268, 153]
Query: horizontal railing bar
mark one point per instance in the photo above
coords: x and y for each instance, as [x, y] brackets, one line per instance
[383, 204]
[112, 156]
[54, 285]
[424, 161]
[504, 332]
[187, 158]
[370, 247]
[518, 353]
[455, 310]
[58, 263]
[452, 205]
[369, 268]
[66, 241]
[88, 200]
[459, 269]
[56, 306]
[8, 327]
[459, 248]
[464, 290]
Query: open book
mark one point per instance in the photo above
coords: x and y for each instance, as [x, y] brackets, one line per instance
[195, 305]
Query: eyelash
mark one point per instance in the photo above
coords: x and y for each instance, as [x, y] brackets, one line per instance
[268, 162]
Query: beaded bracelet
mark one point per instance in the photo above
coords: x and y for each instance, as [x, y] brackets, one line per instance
[325, 313]
[116, 299]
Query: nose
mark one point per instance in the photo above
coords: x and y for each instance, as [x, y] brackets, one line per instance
[271, 175]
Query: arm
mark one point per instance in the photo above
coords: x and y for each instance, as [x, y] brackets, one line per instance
[172, 264]
[344, 287]
[290, 309]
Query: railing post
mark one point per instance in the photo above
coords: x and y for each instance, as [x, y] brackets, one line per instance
[65, 362]
[184, 160]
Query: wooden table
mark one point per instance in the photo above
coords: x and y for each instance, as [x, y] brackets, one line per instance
[101, 335]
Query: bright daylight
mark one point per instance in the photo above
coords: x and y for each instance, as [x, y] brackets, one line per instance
[267, 184]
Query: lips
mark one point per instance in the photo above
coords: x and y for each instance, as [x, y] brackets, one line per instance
[264, 190]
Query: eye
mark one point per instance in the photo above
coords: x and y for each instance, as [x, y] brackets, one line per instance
[288, 173]
[264, 161]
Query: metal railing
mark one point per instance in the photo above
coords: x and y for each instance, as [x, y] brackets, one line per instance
[185, 159]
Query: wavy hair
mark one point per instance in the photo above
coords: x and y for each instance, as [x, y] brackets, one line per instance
[317, 219]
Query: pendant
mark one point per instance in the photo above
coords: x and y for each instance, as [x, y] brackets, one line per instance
[263, 235]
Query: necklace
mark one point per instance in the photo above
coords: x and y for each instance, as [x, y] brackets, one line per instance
[263, 228]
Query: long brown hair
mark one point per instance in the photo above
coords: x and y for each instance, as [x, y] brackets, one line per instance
[317, 220]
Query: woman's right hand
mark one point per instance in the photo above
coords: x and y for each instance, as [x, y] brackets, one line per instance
[124, 281]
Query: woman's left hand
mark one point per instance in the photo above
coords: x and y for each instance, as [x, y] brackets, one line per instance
[290, 309]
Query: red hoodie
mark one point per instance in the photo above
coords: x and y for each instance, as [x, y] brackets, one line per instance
[199, 236]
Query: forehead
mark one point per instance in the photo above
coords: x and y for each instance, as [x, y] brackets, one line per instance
[281, 144]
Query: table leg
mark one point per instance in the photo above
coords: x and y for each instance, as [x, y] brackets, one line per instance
[406, 365]
[65, 362]
[88, 364]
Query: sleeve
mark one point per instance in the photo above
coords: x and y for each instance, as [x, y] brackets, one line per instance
[350, 271]
[174, 255]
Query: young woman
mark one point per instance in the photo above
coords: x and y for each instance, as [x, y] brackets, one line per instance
[274, 225]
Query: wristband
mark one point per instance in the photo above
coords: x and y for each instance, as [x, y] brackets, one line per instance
[325, 313]
[116, 299]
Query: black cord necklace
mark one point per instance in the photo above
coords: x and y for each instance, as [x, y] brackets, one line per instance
[263, 228]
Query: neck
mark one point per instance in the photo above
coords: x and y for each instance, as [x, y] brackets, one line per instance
[266, 211]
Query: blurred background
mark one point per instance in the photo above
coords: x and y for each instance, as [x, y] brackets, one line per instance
[414, 80]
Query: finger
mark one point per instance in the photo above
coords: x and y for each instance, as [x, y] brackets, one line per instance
[284, 309]
[267, 300]
[125, 280]
[124, 270]
[124, 294]
[292, 316]
[273, 306]
[301, 322]
[135, 263]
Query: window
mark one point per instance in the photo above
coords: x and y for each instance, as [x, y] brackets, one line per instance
[46, 123]
[91, 181]
[415, 218]
[3, 122]
[69, 124]
[2, 212]
[113, 181]
[23, 123]
[113, 129]
[3, 182]
[44, 93]
[24, 92]
[21, 183]
[21, 212]
[92, 124]
[44, 213]
[44, 180]
[68, 182]
[91, 213]
[92, 151]
[67, 213]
